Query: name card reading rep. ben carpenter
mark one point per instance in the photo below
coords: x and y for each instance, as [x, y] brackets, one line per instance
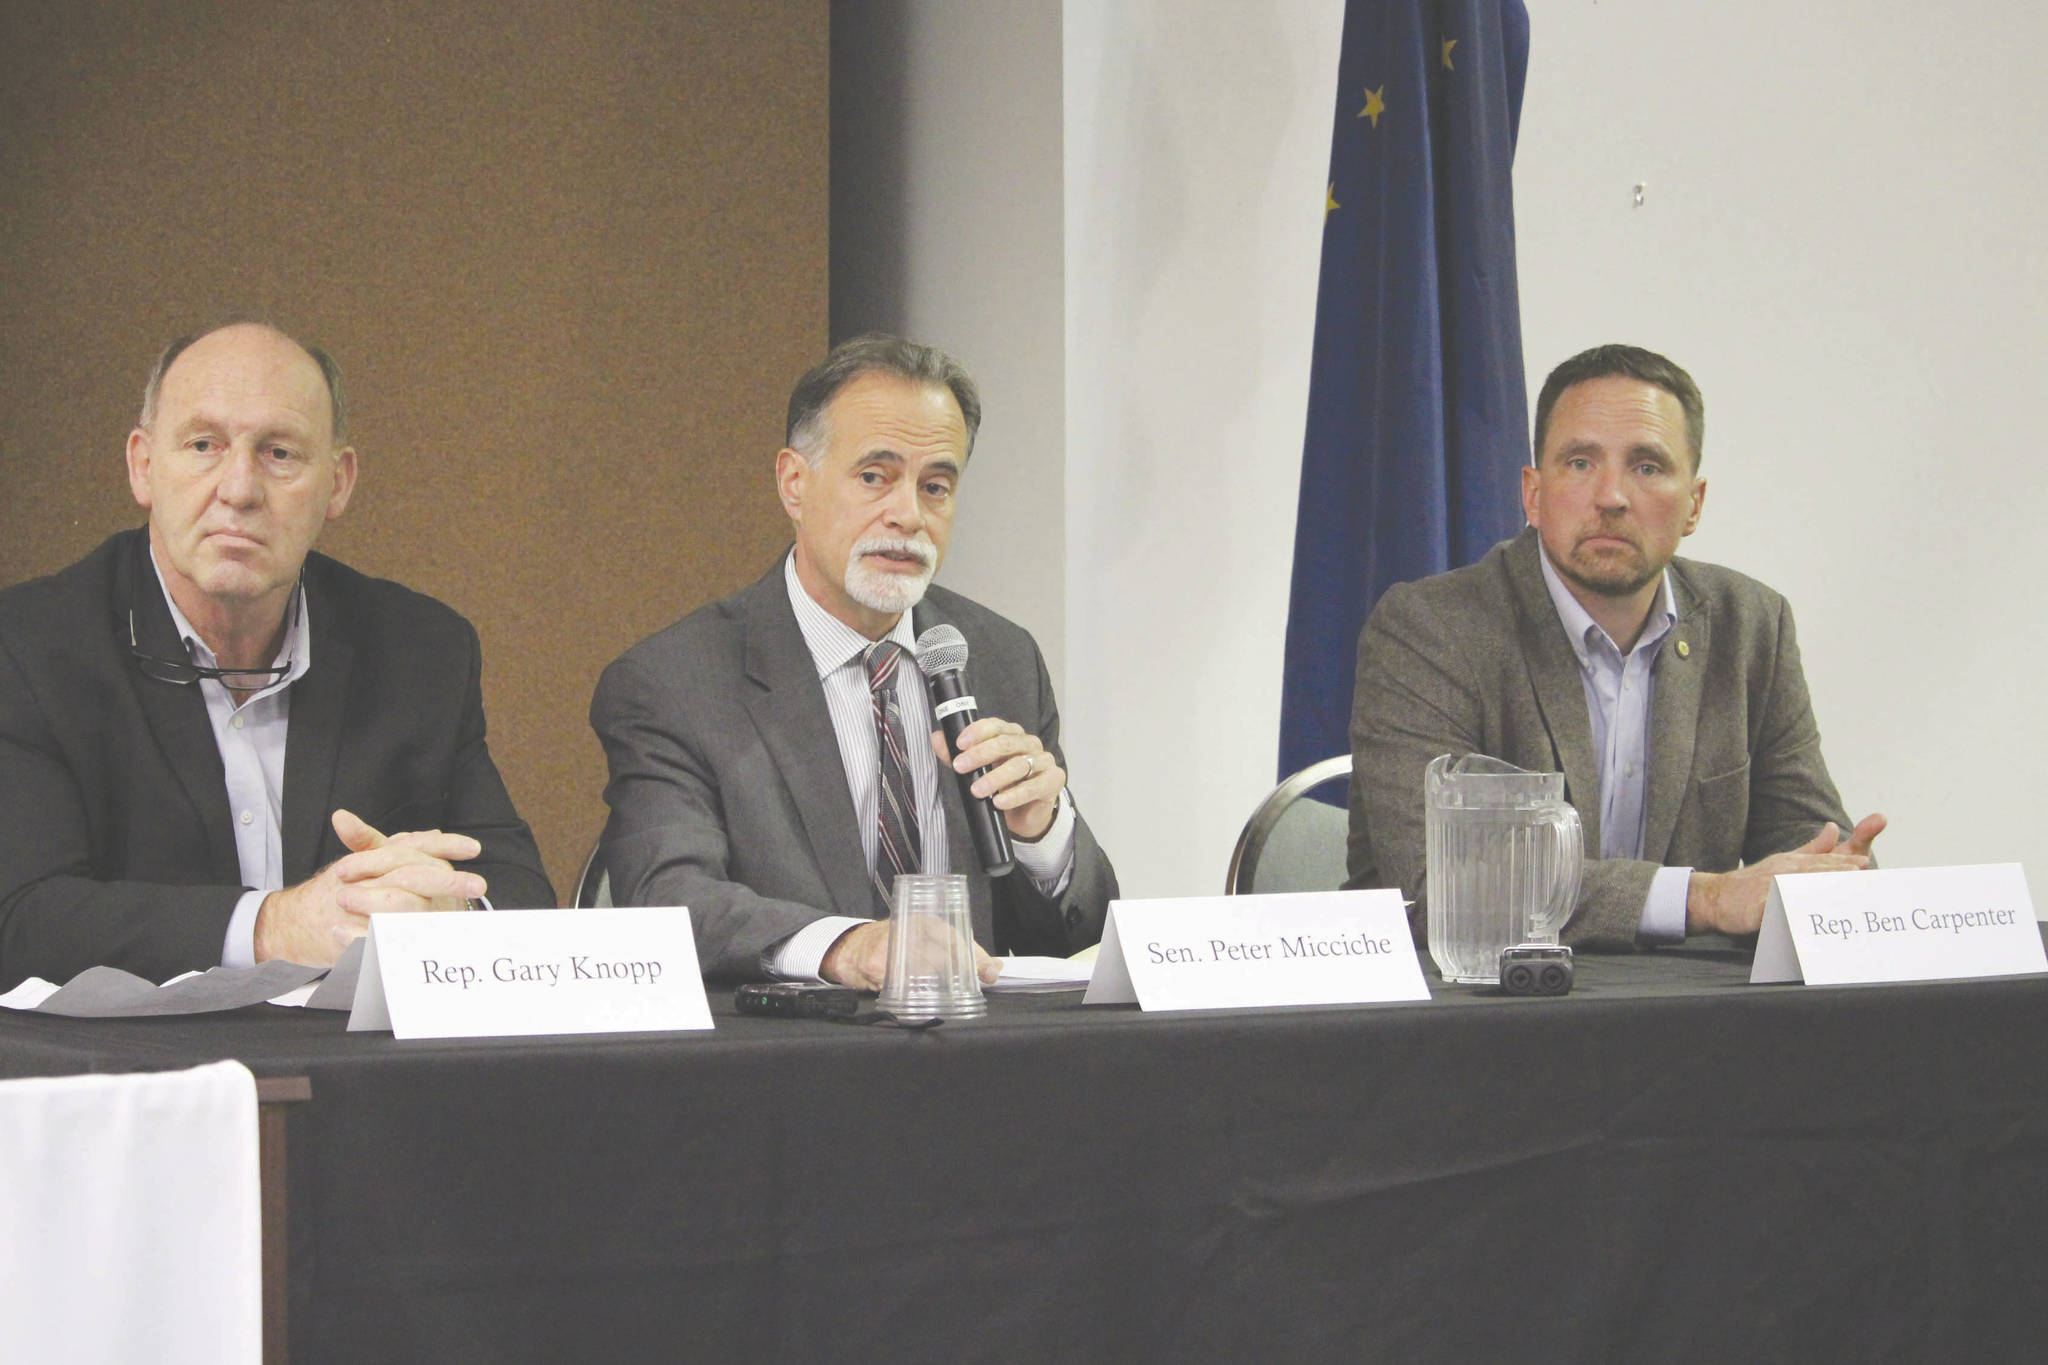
[1241, 952]
[1899, 924]
[507, 972]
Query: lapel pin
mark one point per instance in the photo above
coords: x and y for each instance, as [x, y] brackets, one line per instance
[1684, 649]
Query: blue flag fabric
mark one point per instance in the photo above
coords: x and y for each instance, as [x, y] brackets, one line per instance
[1417, 410]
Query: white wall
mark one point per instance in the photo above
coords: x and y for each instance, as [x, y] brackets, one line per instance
[1197, 141]
[1839, 239]
[947, 227]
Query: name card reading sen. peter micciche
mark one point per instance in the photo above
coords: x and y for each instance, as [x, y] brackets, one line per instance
[1239, 952]
[1899, 924]
[497, 974]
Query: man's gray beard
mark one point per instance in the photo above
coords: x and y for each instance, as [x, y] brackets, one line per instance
[884, 591]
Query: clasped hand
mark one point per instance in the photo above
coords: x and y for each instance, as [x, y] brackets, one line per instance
[313, 922]
[1733, 902]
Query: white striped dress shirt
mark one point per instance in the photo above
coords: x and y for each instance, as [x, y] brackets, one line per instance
[839, 652]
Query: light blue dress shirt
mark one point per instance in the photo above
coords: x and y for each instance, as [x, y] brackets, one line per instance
[1619, 689]
[251, 743]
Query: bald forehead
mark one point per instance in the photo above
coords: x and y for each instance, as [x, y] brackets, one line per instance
[250, 360]
[245, 345]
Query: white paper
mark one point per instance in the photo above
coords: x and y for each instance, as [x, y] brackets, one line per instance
[29, 994]
[527, 972]
[1240, 952]
[1036, 975]
[1899, 924]
[1110, 983]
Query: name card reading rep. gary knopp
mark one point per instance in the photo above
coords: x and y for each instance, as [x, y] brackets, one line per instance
[501, 973]
[1899, 924]
[1242, 952]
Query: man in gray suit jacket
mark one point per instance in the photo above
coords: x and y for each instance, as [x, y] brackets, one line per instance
[1669, 693]
[754, 775]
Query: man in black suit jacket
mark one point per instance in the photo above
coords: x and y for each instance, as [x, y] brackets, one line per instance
[152, 814]
[728, 735]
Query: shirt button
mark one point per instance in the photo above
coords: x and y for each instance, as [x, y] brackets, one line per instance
[247, 818]
[238, 721]
[1631, 770]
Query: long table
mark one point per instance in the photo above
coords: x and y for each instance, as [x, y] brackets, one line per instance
[1669, 1164]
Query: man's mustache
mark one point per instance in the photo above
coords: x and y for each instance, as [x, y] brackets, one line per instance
[921, 550]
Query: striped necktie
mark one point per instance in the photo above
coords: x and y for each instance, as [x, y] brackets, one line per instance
[896, 840]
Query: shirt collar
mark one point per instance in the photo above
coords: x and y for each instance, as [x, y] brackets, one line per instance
[297, 645]
[1577, 620]
[833, 643]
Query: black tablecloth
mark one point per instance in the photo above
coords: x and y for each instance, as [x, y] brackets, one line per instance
[1669, 1164]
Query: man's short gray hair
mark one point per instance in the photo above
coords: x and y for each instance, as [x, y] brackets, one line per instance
[875, 353]
[329, 371]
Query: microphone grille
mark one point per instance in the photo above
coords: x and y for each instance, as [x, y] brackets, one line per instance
[942, 649]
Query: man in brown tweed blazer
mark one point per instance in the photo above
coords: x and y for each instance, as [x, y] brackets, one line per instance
[1668, 692]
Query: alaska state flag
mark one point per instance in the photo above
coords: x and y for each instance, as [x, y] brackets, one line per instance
[1417, 411]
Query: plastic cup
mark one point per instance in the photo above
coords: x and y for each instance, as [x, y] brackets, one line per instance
[931, 951]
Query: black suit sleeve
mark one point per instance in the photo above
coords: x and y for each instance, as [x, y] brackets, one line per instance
[478, 805]
[103, 861]
[57, 915]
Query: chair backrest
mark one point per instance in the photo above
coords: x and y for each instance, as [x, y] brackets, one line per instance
[594, 887]
[1294, 842]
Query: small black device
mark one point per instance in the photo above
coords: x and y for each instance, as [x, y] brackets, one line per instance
[1536, 969]
[797, 999]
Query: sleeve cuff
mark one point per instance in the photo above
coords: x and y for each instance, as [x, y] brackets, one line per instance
[238, 948]
[798, 957]
[1049, 859]
[1664, 911]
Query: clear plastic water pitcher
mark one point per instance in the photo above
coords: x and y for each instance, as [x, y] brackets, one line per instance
[1504, 852]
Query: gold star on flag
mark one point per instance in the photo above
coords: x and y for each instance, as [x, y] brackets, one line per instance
[1449, 43]
[1330, 204]
[1375, 105]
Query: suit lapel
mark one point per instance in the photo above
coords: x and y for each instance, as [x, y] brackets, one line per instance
[319, 705]
[787, 705]
[1675, 717]
[1555, 677]
[961, 855]
[176, 712]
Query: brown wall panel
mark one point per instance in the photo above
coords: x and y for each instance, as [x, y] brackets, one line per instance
[570, 257]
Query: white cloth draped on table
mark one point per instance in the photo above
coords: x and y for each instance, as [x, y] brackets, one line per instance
[130, 1218]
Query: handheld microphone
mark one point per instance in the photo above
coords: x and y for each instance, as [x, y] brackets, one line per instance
[942, 658]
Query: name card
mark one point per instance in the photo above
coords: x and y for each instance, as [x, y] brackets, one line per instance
[1898, 924]
[464, 974]
[1244, 952]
